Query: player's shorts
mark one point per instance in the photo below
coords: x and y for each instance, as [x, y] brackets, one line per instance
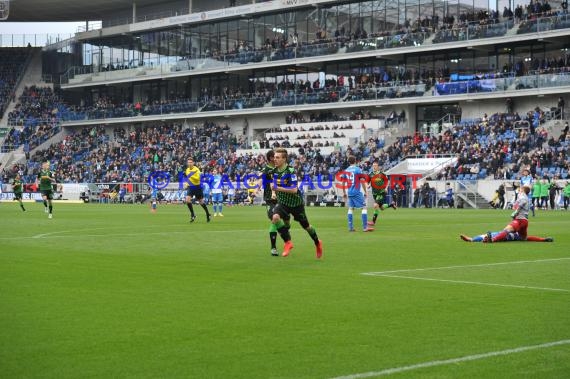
[217, 197]
[357, 201]
[270, 206]
[520, 226]
[298, 214]
[48, 194]
[379, 198]
[17, 195]
[194, 190]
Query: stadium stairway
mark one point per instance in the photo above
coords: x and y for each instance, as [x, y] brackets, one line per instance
[32, 59]
[554, 127]
[32, 76]
[58, 137]
[467, 191]
[513, 31]
[19, 157]
[429, 40]
[33, 73]
[10, 159]
[5, 158]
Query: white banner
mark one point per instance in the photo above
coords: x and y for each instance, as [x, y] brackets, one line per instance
[6, 196]
[426, 164]
[355, 124]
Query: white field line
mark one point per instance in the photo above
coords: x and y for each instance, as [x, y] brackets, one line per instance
[463, 266]
[466, 358]
[80, 235]
[477, 283]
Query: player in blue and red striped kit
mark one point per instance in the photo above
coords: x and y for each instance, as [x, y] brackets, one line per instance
[354, 196]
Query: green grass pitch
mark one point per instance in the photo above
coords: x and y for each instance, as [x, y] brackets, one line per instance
[112, 291]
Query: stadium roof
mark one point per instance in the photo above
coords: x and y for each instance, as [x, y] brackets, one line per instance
[69, 10]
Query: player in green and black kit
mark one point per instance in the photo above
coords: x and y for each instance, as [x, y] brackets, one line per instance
[46, 180]
[290, 202]
[18, 188]
[265, 180]
[378, 182]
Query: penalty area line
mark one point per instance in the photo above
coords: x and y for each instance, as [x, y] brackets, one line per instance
[476, 283]
[466, 358]
[378, 273]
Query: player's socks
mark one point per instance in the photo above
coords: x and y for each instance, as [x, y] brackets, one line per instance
[499, 237]
[283, 231]
[205, 207]
[313, 233]
[220, 209]
[50, 209]
[539, 239]
[350, 220]
[22, 206]
[191, 208]
[364, 216]
[45, 203]
[375, 217]
[273, 235]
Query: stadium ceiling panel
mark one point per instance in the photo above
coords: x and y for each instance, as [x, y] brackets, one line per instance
[69, 10]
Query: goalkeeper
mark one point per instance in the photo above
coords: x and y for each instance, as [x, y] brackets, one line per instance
[378, 184]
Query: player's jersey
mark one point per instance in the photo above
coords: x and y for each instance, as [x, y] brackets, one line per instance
[17, 186]
[45, 177]
[217, 184]
[545, 189]
[267, 180]
[193, 176]
[527, 180]
[377, 182]
[535, 189]
[521, 207]
[288, 179]
[449, 194]
[352, 174]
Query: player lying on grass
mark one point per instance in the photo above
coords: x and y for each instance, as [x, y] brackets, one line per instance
[516, 230]
[510, 237]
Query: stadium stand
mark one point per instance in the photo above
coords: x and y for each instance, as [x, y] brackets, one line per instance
[135, 102]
